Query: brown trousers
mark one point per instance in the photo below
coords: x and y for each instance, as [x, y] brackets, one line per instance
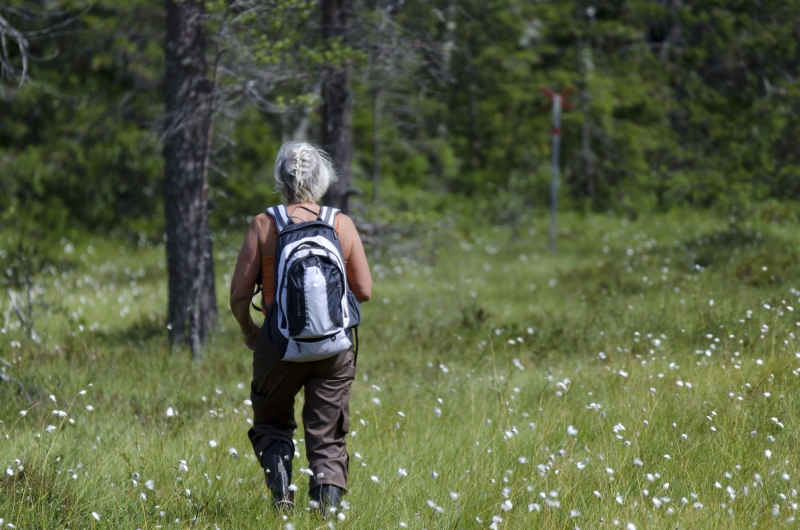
[326, 414]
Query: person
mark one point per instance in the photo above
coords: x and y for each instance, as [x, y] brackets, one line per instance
[303, 174]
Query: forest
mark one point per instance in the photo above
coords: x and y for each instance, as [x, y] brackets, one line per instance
[672, 103]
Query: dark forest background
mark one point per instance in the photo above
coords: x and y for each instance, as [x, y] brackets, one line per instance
[675, 103]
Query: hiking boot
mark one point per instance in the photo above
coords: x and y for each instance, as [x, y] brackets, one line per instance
[326, 496]
[277, 463]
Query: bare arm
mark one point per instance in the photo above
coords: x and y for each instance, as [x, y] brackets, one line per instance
[358, 275]
[248, 266]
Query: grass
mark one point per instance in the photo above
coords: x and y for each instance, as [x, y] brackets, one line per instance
[645, 376]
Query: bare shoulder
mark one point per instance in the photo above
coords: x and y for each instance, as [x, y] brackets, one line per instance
[346, 224]
[261, 224]
[262, 228]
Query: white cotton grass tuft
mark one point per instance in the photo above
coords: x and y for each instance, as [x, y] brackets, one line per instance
[303, 172]
[572, 431]
[96, 516]
[212, 443]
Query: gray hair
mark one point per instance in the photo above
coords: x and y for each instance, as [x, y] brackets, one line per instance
[303, 172]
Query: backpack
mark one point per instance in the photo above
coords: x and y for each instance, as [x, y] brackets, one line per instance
[314, 312]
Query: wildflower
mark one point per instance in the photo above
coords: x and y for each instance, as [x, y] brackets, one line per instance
[768, 454]
[171, 412]
[375, 479]
[402, 472]
[150, 485]
[506, 506]
[572, 431]
[233, 452]
[637, 462]
[376, 401]
[453, 495]
[96, 516]
[212, 443]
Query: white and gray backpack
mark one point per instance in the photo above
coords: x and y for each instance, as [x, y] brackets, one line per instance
[314, 312]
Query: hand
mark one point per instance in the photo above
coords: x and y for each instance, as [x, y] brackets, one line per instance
[251, 336]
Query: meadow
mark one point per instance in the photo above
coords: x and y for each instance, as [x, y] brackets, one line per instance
[644, 376]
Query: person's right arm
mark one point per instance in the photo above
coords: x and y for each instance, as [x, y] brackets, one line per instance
[358, 276]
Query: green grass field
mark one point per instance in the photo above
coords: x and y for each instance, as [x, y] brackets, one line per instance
[644, 377]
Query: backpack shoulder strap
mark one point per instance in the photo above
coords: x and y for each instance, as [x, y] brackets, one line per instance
[328, 216]
[278, 214]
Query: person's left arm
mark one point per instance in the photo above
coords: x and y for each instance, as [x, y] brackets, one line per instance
[245, 275]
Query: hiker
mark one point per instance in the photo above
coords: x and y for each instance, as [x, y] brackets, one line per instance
[288, 354]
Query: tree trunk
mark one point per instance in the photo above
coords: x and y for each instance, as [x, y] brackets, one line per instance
[337, 135]
[584, 70]
[192, 306]
[376, 144]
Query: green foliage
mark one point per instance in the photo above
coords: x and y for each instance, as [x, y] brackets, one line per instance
[690, 104]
